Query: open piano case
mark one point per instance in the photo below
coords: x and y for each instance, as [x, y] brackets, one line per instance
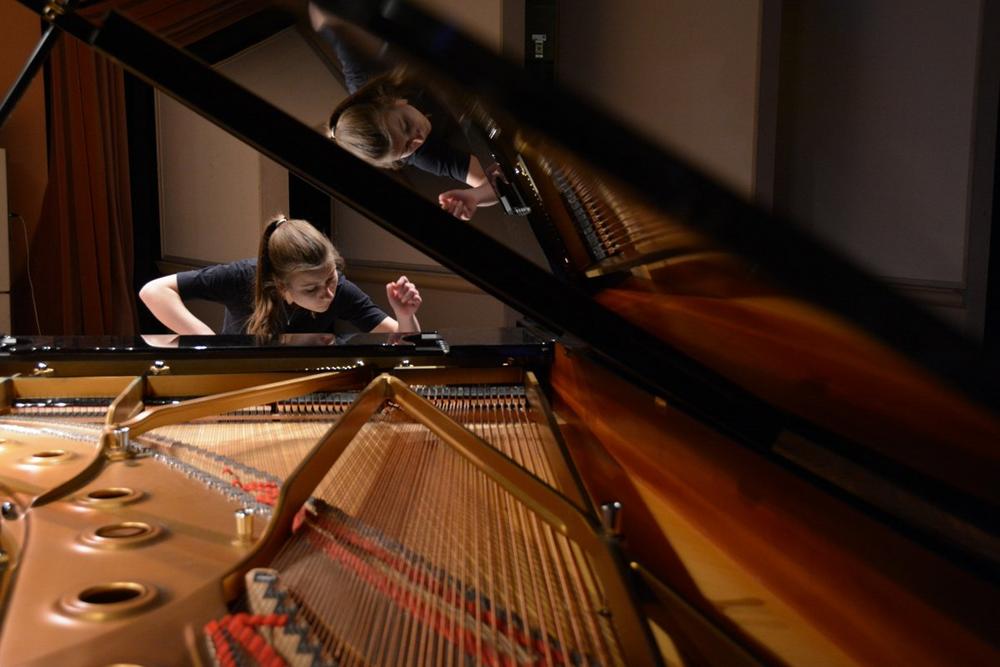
[733, 448]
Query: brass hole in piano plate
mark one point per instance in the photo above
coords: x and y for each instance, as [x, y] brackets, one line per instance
[124, 530]
[110, 496]
[49, 457]
[108, 601]
[124, 535]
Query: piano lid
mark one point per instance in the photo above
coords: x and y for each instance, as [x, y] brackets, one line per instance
[862, 381]
[676, 283]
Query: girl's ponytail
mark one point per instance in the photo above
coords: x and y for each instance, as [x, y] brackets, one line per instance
[268, 309]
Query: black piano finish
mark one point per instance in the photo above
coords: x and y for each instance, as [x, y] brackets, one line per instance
[291, 352]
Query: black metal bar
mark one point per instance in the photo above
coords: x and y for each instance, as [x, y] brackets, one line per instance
[789, 253]
[27, 75]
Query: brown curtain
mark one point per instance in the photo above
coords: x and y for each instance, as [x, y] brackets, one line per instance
[82, 246]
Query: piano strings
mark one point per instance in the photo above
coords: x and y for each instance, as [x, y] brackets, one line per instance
[408, 553]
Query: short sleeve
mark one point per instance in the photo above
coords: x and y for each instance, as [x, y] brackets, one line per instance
[222, 283]
[229, 284]
[353, 305]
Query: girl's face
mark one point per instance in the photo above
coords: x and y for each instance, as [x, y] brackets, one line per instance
[408, 129]
[313, 289]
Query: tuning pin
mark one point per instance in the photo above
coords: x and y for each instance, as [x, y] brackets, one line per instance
[244, 525]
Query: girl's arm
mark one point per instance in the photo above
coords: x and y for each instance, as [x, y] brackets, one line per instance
[405, 301]
[319, 18]
[356, 49]
[463, 203]
[163, 299]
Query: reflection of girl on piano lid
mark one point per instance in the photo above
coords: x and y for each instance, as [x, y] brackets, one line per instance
[295, 285]
[378, 124]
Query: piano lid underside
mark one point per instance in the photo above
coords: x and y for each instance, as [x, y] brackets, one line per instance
[660, 274]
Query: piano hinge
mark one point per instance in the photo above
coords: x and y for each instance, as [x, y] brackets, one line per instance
[428, 342]
[42, 369]
[158, 367]
[55, 8]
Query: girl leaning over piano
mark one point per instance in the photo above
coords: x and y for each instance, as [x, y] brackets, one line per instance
[295, 284]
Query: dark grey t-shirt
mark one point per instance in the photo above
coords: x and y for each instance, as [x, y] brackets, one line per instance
[232, 285]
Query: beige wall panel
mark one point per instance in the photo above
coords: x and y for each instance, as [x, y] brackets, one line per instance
[217, 192]
[684, 72]
[209, 188]
[877, 131]
[285, 71]
[885, 147]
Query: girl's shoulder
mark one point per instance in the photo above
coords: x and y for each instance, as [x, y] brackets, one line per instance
[239, 271]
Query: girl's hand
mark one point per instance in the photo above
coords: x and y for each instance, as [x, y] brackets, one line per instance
[403, 297]
[318, 18]
[460, 203]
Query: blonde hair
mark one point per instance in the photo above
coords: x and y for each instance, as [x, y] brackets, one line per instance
[286, 247]
[358, 124]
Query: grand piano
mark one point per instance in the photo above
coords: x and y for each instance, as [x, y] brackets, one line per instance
[712, 441]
